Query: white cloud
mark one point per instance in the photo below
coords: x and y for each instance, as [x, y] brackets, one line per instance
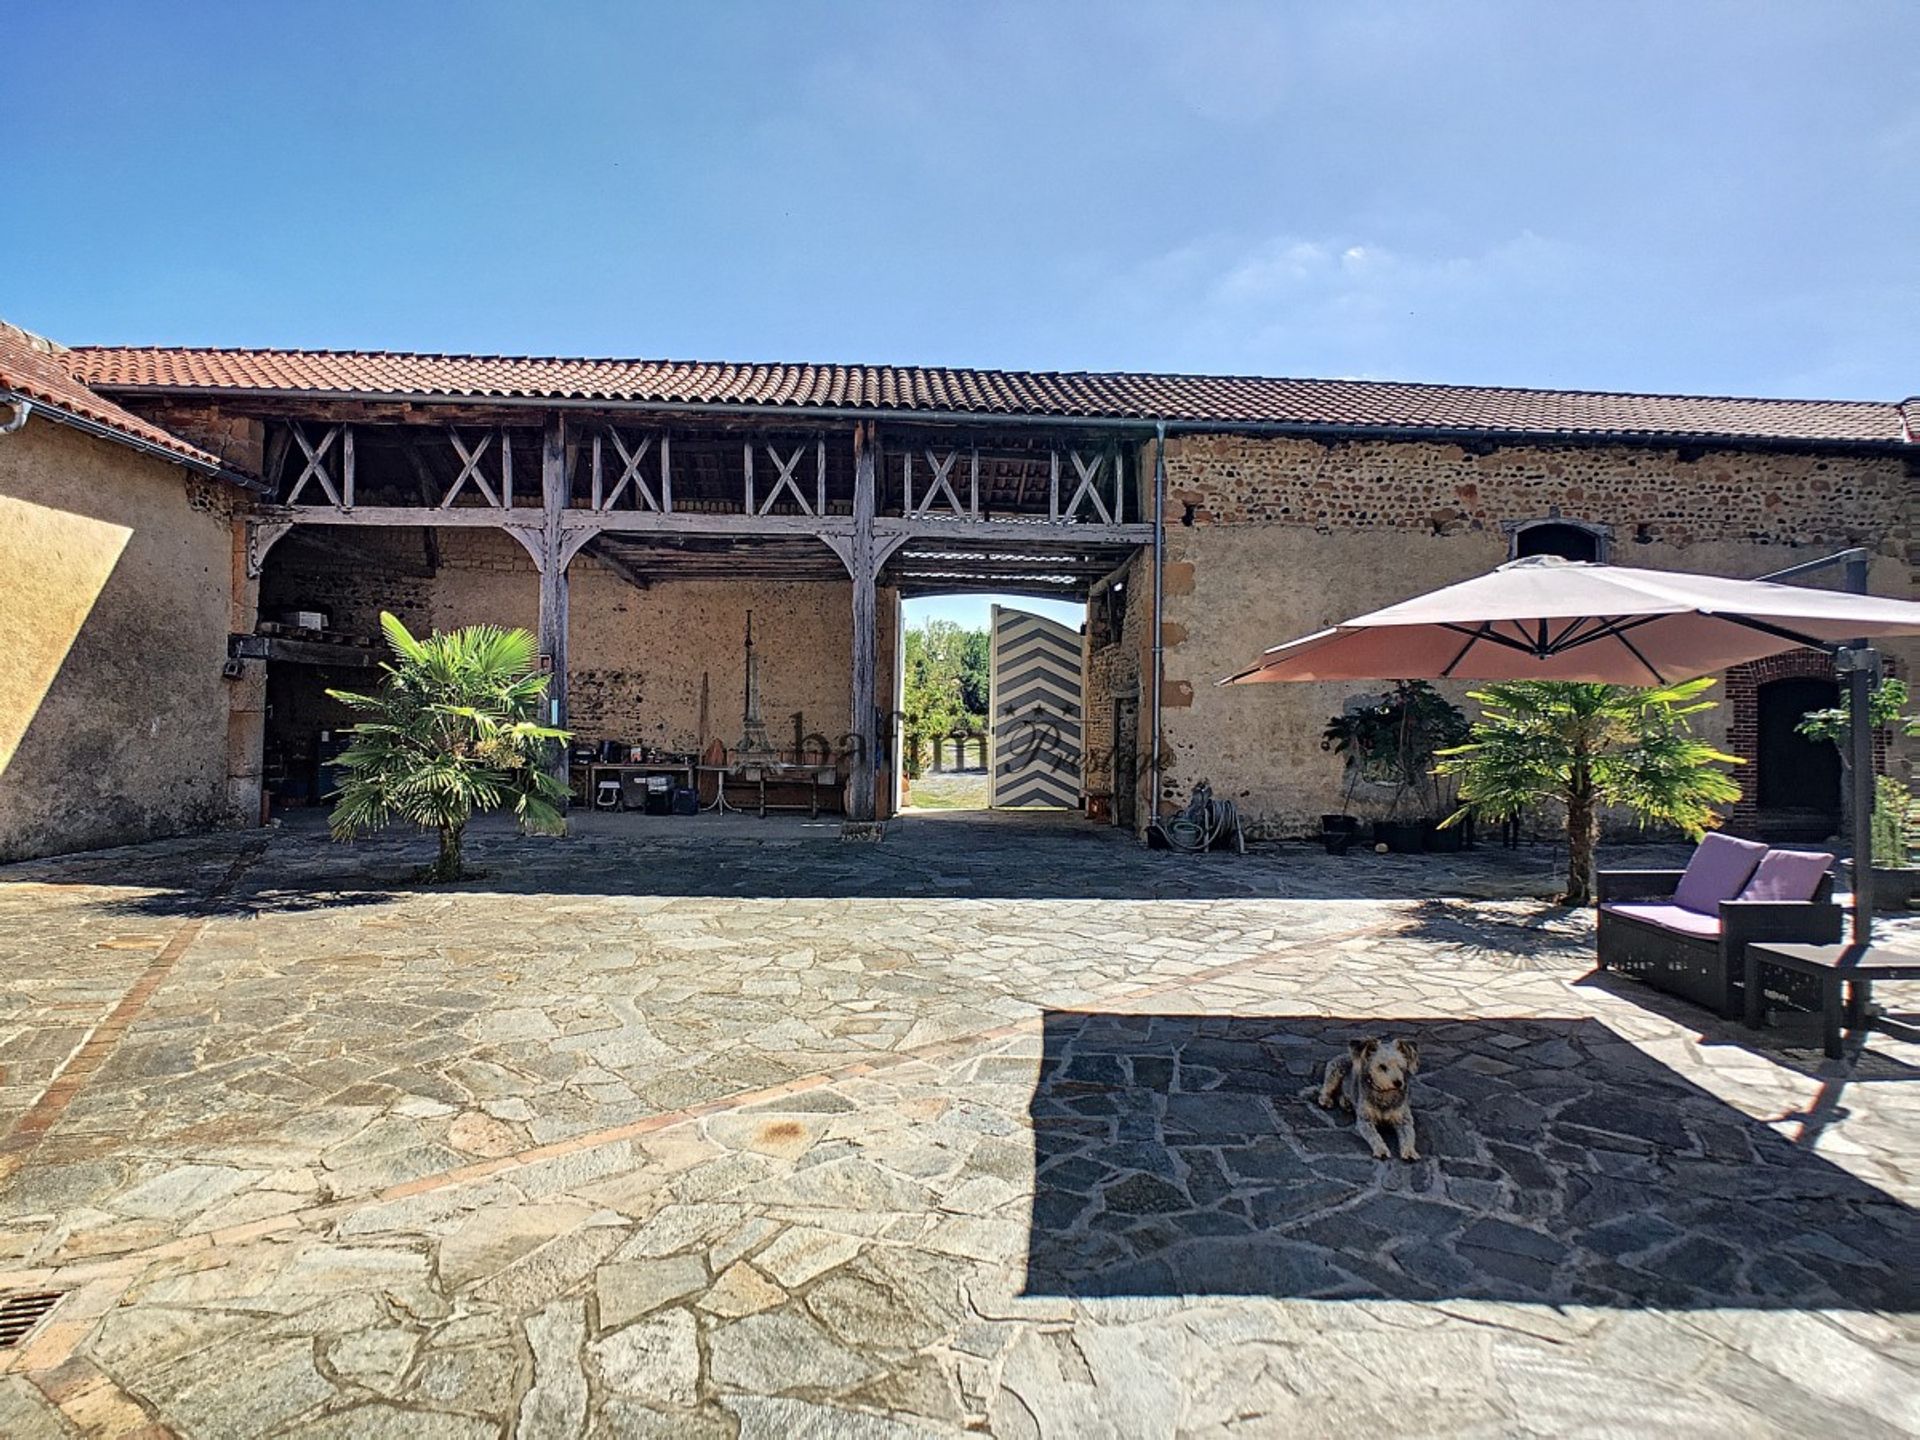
[1342, 304]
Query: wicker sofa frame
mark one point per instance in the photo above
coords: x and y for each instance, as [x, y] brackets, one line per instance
[1710, 970]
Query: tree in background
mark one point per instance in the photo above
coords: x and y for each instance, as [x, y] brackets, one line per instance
[946, 684]
[454, 732]
[1886, 710]
[1588, 746]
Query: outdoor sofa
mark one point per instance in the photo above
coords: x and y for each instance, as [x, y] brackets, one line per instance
[1686, 931]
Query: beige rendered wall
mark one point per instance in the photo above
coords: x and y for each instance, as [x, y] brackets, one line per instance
[1271, 539]
[641, 660]
[664, 665]
[116, 594]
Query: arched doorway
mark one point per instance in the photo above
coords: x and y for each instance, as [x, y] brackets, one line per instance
[1798, 780]
[1568, 539]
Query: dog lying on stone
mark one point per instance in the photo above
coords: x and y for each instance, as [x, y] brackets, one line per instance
[1379, 1075]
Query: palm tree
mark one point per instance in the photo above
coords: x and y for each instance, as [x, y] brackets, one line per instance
[1587, 746]
[453, 732]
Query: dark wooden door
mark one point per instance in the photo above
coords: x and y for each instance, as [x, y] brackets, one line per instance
[1798, 780]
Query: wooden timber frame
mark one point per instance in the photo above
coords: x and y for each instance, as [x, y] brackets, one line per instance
[603, 479]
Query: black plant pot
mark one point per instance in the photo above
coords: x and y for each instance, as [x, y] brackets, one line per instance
[1450, 840]
[1402, 837]
[1349, 824]
[1893, 890]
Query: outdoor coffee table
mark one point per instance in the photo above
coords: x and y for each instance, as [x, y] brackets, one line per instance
[1856, 966]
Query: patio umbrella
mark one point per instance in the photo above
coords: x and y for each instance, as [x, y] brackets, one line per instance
[1544, 618]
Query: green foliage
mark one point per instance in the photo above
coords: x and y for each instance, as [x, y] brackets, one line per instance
[453, 732]
[1585, 746]
[1886, 707]
[1393, 740]
[946, 682]
[1896, 824]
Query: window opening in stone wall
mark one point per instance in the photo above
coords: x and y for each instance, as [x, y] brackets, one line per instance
[1568, 539]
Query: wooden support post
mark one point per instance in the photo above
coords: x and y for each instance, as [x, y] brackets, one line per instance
[865, 729]
[553, 575]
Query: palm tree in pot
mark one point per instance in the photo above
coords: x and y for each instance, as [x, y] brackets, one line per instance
[1586, 747]
[453, 732]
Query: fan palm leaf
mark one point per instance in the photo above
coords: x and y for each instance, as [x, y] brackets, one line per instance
[453, 732]
[1586, 747]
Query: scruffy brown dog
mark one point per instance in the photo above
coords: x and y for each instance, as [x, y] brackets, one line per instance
[1382, 1074]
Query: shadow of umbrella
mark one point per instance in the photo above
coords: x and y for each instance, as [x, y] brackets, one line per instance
[1180, 1155]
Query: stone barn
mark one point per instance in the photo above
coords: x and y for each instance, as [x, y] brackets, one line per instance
[199, 542]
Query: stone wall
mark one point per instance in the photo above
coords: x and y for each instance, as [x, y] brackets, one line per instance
[1646, 495]
[239, 440]
[1268, 539]
[116, 578]
[1118, 666]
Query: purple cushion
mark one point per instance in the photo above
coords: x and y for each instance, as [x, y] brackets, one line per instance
[1670, 917]
[1718, 869]
[1787, 875]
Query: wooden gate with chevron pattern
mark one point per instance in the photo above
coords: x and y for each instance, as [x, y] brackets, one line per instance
[1033, 700]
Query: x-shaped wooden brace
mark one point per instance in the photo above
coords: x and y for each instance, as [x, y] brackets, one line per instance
[629, 472]
[470, 469]
[788, 469]
[315, 467]
[942, 483]
[1089, 475]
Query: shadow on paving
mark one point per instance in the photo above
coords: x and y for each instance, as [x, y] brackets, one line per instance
[1181, 1155]
[985, 857]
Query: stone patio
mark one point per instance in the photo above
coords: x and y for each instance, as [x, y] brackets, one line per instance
[726, 1127]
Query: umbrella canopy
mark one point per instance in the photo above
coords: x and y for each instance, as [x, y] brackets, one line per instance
[1544, 618]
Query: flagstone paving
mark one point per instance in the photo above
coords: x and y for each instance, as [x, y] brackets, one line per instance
[997, 1126]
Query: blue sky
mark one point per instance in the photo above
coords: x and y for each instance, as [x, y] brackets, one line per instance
[972, 611]
[1705, 197]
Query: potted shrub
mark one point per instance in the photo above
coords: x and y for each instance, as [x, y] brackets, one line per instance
[1896, 838]
[1392, 740]
[1886, 710]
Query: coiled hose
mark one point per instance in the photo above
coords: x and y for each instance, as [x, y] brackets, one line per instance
[1204, 824]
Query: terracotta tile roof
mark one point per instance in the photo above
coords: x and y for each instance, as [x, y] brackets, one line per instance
[1181, 399]
[41, 371]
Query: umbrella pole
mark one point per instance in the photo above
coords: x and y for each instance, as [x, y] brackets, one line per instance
[1859, 663]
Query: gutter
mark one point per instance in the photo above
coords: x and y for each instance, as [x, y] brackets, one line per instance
[1140, 425]
[23, 407]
